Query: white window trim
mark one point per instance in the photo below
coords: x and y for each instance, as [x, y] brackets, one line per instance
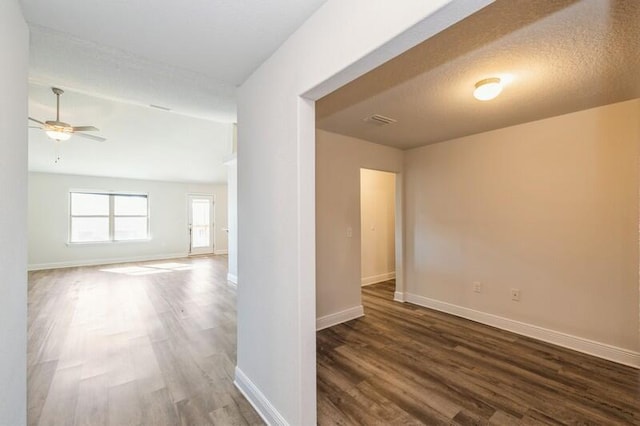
[111, 217]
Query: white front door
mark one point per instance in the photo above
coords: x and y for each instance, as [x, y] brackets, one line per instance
[200, 224]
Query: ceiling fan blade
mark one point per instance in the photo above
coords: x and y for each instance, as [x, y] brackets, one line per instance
[85, 129]
[35, 127]
[37, 121]
[95, 138]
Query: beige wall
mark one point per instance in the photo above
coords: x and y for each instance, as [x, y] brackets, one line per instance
[377, 225]
[549, 207]
[338, 163]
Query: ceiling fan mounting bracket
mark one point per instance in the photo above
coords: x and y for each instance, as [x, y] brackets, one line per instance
[57, 91]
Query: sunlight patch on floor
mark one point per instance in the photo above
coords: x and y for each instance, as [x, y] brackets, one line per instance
[154, 268]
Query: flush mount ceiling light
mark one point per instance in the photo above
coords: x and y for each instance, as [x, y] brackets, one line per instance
[487, 89]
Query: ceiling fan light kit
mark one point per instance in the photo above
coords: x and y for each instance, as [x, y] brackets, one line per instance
[61, 131]
[58, 135]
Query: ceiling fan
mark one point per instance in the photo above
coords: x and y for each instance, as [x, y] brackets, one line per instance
[61, 131]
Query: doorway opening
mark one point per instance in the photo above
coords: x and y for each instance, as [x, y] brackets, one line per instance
[378, 230]
[201, 224]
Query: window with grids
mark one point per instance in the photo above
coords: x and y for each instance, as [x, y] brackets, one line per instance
[102, 217]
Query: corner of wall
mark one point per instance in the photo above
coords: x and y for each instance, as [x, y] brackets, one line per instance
[374, 279]
[339, 317]
[256, 398]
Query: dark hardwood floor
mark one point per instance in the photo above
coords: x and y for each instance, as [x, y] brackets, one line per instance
[154, 344]
[137, 344]
[404, 364]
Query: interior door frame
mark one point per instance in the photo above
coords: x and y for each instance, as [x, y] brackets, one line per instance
[207, 250]
[399, 293]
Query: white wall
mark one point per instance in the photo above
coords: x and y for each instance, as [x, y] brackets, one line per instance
[276, 223]
[377, 224]
[548, 207]
[49, 220]
[14, 45]
[338, 269]
[232, 209]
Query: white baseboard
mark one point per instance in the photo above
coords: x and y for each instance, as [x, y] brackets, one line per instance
[399, 297]
[265, 409]
[233, 280]
[94, 262]
[339, 317]
[377, 278]
[580, 344]
[218, 252]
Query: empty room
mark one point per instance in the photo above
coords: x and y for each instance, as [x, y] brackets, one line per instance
[129, 304]
[515, 298]
[319, 212]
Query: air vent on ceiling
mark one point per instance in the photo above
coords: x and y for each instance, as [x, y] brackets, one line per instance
[380, 120]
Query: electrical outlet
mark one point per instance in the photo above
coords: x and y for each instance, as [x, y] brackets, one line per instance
[477, 286]
[515, 294]
[349, 232]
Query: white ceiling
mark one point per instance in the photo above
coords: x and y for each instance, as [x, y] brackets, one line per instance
[114, 58]
[57, 59]
[142, 143]
[186, 55]
[560, 56]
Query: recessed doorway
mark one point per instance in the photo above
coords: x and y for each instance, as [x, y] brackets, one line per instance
[377, 222]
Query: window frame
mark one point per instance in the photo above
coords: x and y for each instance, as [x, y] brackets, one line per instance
[111, 216]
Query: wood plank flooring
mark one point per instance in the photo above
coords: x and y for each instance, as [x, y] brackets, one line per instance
[154, 344]
[138, 344]
[404, 364]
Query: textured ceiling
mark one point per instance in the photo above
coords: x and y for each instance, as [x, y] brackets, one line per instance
[559, 56]
[142, 143]
[188, 56]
